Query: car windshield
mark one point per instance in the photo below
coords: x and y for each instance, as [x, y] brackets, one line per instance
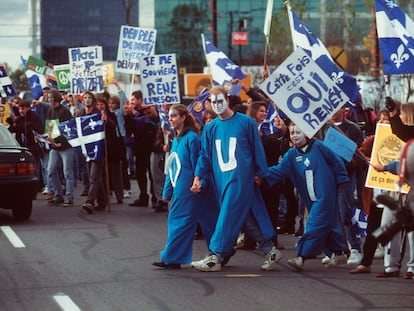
[6, 138]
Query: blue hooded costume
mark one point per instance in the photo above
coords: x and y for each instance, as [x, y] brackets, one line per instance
[315, 173]
[187, 209]
[232, 153]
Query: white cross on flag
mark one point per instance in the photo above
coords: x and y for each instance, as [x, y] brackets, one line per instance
[6, 86]
[86, 132]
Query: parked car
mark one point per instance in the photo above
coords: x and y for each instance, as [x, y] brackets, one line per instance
[18, 180]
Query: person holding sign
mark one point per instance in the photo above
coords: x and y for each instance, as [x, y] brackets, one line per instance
[232, 153]
[317, 173]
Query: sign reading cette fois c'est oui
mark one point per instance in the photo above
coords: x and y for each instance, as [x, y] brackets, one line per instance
[159, 79]
[304, 92]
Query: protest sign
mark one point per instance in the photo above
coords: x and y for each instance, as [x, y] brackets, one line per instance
[159, 79]
[304, 92]
[108, 74]
[134, 42]
[86, 69]
[62, 73]
[4, 114]
[387, 148]
[340, 144]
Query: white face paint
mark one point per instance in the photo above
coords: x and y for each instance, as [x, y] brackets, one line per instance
[218, 103]
[297, 136]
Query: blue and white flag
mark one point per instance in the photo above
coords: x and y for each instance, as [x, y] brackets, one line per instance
[268, 126]
[165, 124]
[222, 69]
[36, 86]
[198, 105]
[42, 139]
[6, 85]
[87, 133]
[396, 38]
[305, 39]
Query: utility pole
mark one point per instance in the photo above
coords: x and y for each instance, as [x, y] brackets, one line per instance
[128, 11]
[215, 34]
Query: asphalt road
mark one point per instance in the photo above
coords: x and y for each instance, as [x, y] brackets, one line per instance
[65, 259]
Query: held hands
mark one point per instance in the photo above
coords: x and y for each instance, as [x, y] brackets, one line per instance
[196, 187]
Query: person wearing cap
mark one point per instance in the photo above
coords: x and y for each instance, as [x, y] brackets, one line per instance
[23, 126]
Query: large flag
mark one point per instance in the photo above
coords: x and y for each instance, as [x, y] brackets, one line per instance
[305, 39]
[165, 124]
[396, 37]
[222, 69]
[87, 133]
[6, 85]
[198, 105]
[36, 86]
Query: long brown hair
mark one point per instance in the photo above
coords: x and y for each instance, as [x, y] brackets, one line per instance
[189, 122]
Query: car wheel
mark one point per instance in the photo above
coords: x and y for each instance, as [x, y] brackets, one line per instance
[23, 209]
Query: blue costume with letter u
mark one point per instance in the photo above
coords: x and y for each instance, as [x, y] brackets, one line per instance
[233, 154]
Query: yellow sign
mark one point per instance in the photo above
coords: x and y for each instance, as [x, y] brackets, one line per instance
[194, 83]
[108, 74]
[338, 55]
[387, 148]
[4, 114]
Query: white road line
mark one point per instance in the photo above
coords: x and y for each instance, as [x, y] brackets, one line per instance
[65, 302]
[12, 236]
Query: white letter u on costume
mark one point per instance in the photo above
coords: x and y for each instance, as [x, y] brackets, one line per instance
[231, 164]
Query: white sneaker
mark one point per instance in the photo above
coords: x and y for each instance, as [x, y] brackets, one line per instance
[45, 190]
[271, 259]
[127, 193]
[354, 258]
[337, 260]
[326, 260]
[209, 263]
[296, 262]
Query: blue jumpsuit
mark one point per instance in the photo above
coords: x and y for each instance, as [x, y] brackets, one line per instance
[232, 153]
[187, 208]
[315, 173]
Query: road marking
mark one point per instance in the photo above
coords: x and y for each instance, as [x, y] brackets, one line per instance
[242, 275]
[12, 236]
[65, 302]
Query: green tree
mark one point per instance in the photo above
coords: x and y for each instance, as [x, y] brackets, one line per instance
[19, 80]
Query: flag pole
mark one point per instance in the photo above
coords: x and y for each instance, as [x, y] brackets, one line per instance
[208, 65]
[108, 197]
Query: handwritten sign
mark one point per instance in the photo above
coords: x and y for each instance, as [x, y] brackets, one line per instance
[159, 79]
[86, 69]
[387, 148]
[340, 144]
[304, 92]
[62, 73]
[134, 42]
[4, 114]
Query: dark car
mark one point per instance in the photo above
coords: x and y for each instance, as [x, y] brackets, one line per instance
[18, 181]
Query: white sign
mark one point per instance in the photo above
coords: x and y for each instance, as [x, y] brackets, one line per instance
[303, 91]
[86, 69]
[134, 42]
[159, 79]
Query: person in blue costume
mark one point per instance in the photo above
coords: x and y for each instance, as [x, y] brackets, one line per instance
[187, 208]
[317, 173]
[232, 153]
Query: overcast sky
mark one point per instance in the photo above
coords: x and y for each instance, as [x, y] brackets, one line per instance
[14, 31]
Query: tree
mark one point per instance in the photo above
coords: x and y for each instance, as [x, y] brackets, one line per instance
[19, 80]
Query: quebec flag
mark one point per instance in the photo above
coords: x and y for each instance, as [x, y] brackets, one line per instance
[6, 85]
[222, 69]
[268, 126]
[87, 133]
[305, 39]
[396, 38]
[165, 124]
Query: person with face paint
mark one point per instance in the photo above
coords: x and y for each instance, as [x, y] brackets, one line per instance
[61, 150]
[232, 153]
[187, 209]
[317, 173]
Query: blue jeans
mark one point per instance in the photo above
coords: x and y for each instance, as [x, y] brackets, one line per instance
[67, 157]
[345, 203]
